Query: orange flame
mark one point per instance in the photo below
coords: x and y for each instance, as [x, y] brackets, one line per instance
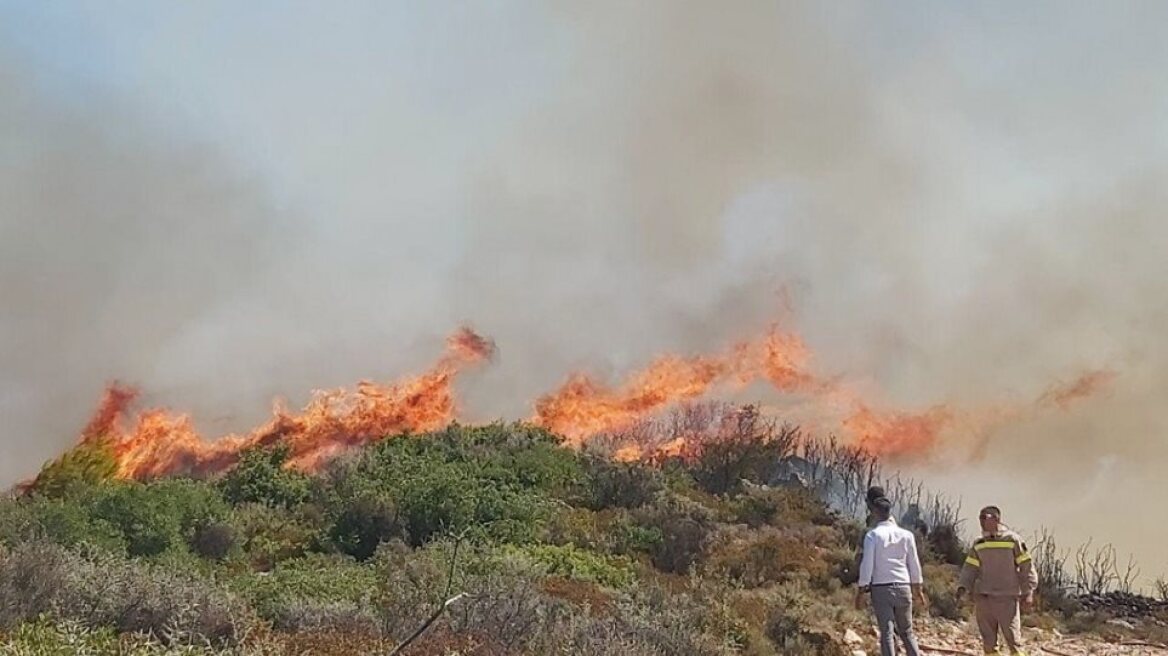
[583, 409]
[164, 444]
[113, 405]
[896, 433]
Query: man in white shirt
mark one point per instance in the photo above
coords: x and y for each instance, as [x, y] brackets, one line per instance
[891, 571]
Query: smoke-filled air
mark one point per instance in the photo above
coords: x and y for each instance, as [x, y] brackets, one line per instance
[935, 231]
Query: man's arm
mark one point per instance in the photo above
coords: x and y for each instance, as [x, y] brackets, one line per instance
[914, 562]
[969, 571]
[867, 565]
[867, 562]
[1027, 577]
[915, 578]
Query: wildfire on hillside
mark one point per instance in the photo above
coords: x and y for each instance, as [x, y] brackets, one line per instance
[158, 442]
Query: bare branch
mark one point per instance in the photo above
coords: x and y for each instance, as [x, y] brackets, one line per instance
[458, 539]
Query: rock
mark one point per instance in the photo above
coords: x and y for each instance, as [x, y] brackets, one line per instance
[859, 652]
[852, 638]
[1121, 623]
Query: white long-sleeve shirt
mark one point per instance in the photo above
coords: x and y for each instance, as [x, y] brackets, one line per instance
[890, 557]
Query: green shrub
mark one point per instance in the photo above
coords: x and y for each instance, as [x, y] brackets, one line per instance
[362, 523]
[440, 484]
[153, 517]
[47, 638]
[215, 540]
[572, 562]
[66, 522]
[297, 590]
[269, 536]
[76, 471]
[261, 477]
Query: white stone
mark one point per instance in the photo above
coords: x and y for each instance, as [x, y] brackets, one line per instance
[851, 637]
[1118, 622]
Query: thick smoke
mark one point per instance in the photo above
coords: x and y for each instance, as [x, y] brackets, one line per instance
[960, 205]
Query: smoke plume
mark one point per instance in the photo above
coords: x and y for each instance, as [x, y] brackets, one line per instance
[953, 206]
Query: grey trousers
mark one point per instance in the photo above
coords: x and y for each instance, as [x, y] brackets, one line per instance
[893, 607]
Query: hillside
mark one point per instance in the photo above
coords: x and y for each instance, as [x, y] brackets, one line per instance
[742, 542]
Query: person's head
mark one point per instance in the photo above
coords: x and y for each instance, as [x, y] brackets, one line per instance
[875, 492]
[881, 508]
[990, 518]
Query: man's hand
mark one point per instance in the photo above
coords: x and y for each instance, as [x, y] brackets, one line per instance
[919, 597]
[1028, 601]
[960, 596]
[859, 599]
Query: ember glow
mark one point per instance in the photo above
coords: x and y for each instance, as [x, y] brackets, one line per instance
[158, 442]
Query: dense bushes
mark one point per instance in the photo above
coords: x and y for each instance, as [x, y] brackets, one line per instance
[158, 516]
[558, 551]
[260, 477]
[613, 484]
[686, 529]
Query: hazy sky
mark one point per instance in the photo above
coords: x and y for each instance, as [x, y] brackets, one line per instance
[224, 202]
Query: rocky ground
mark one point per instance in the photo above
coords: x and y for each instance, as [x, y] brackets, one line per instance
[960, 638]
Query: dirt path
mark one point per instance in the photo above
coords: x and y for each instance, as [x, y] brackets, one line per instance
[953, 638]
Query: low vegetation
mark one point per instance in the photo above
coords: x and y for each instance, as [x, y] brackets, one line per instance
[744, 545]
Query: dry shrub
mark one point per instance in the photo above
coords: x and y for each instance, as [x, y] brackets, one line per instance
[686, 529]
[508, 606]
[753, 558]
[343, 617]
[107, 591]
[32, 577]
[941, 589]
[804, 623]
[677, 622]
[735, 444]
[780, 506]
[613, 484]
[583, 594]
[333, 643]
[502, 594]
[770, 555]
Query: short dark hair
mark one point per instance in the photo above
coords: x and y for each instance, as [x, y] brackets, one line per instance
[990, 510]
[875, 492]
[882, 506]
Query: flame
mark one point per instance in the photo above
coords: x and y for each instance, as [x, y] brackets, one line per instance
[583, 407]
[892, 433]
[582, 410]
[116, 400]
[162, 443]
